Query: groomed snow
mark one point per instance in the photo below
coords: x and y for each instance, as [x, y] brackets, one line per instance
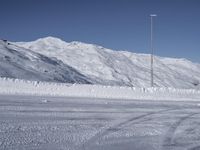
[23, 87]
[64, 123]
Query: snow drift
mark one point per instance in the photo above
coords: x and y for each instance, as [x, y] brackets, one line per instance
[22, 87]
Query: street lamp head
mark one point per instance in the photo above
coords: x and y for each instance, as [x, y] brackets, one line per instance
[153, 15]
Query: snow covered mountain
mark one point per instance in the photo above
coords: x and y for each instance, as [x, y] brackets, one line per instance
[18, 62]
[98, 65]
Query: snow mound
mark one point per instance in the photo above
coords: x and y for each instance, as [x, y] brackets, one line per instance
[23, 87]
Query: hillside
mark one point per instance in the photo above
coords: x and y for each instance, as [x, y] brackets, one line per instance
[21, 63]
[109, 67]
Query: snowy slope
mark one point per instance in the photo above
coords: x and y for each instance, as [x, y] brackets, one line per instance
[108, 67]
[18, 62]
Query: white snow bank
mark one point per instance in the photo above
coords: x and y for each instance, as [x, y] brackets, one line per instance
[22, 87]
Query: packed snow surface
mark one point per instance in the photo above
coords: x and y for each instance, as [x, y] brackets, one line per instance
[98, 65]
[61, 123]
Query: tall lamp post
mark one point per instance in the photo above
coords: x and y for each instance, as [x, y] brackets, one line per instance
[152, 49]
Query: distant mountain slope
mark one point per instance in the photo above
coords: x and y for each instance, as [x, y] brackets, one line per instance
[105, 66]
[18, 62]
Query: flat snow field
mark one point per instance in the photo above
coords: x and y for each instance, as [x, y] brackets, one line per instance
[56, 123]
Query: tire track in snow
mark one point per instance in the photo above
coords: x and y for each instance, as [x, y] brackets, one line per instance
[197, 147]
[168, 141]
[110, 129]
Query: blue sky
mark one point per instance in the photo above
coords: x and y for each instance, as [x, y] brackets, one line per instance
[115, 24]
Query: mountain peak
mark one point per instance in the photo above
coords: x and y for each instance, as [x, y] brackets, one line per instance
[50, 39]
[54, 42]
[46, 42]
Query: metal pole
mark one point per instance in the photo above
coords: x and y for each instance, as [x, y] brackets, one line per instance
[152, 49]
